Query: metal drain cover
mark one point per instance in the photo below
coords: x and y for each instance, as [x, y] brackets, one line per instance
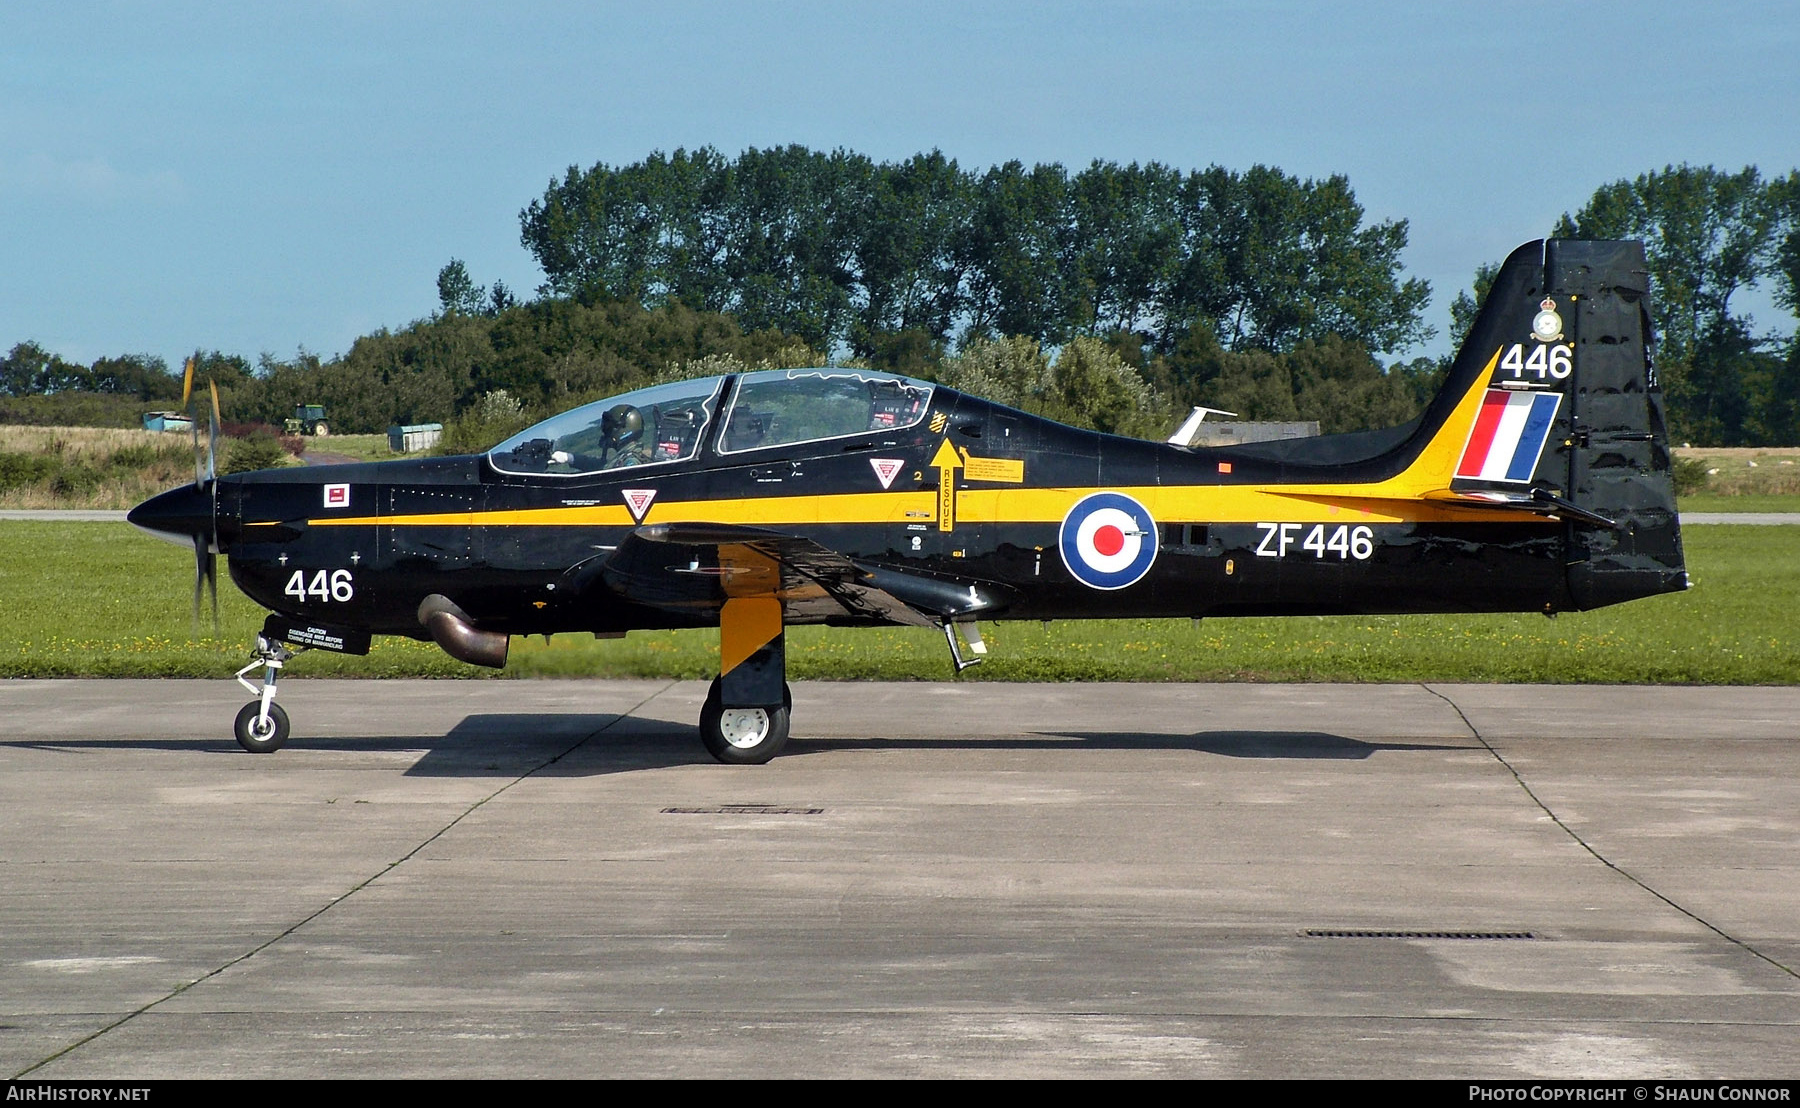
[1321, 933]
[743, 810]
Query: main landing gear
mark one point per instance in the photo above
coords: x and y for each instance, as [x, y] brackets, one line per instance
[745, 719]
[262, 725]
[744, 736]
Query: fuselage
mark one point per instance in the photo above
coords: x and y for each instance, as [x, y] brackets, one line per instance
[362, 545]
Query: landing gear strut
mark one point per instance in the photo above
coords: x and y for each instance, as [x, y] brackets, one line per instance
[745, 719]
[262, 725]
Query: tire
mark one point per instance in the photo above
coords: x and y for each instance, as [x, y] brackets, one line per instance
[321, 429]
[265, 740]
[744, 736]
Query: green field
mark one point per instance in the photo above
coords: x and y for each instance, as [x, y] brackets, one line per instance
[1749, 502]
[363, 448]
[98, 599]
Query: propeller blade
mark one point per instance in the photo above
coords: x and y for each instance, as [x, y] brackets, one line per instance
[212, 586]
[206, 578]
[199, 574]
[212, 437]
[187, 384]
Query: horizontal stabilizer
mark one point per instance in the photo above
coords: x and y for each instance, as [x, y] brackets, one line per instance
[1541, 501]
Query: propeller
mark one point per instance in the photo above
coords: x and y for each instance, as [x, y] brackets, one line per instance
[206, 542]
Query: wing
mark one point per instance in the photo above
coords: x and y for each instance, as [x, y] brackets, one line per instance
[696, 567]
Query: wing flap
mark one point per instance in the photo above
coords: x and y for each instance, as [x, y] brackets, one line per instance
[697, 567]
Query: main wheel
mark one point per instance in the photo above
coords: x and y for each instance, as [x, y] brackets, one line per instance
[322, 429]
[744, 736]
[257, 735]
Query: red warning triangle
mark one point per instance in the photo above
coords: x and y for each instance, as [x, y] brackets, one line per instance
[886, 469]
[638, 501]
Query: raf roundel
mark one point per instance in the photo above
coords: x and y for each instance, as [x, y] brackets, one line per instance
[1108, 541]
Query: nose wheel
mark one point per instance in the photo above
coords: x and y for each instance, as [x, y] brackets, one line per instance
[261, 731]
[262, 724]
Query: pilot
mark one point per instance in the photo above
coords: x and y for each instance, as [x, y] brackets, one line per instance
[623, 429]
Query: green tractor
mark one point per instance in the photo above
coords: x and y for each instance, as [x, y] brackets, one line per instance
[309, 419]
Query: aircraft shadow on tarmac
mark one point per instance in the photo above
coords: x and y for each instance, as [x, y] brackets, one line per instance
[577, 745]
[1228, 744]
[497, 744]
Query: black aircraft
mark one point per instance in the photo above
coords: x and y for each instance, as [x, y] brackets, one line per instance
[1537, 480]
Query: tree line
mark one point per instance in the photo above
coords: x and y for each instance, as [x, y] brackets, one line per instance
[1112, 297]
[886, 259]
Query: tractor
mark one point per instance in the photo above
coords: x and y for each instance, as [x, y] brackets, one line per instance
[309, 419]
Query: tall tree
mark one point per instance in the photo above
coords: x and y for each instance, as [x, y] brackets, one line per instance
[457, 291]
[911, 274]
[1707, 233]
[893, 259]
[1128, 229]
[1019, 250]
[1279, 260]
[1784, 200]
[791, 239]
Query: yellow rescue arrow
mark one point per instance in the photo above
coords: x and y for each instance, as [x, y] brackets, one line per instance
[947, 461]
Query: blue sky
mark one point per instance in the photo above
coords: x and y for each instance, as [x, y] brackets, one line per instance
[267, 177]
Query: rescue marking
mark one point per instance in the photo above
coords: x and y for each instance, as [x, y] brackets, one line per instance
[886, 469]
[946, 461]
[337, 496]
[637, 502]
[1108, 541]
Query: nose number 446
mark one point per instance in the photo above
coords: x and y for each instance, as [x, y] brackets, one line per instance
[322, 585]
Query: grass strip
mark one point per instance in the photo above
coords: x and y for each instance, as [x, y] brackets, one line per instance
[104, 600]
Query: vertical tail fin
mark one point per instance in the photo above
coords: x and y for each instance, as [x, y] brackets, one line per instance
[1554, 397]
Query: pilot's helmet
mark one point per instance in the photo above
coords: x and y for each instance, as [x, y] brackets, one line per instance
[621, 424]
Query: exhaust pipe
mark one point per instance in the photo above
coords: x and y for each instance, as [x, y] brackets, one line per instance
[458, 636]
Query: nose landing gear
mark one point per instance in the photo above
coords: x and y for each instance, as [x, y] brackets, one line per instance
[262, 725]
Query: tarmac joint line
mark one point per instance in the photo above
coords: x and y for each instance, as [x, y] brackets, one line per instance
[335, 901]
[1599, 857]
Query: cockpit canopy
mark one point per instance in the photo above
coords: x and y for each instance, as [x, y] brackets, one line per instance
[668, 423]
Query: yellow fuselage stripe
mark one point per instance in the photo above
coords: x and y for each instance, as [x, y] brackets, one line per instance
[1167, 504]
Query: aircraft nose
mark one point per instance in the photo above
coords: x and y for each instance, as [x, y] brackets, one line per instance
[179, 515]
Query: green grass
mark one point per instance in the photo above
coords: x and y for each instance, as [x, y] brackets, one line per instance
[364, 448]
[1748, 502]
[96, 599]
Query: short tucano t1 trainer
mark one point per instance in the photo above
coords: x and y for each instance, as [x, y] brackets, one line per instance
[1538, 480]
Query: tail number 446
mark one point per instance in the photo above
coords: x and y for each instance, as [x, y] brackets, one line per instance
[322, 585]
[1544, 362]
[1343, 541]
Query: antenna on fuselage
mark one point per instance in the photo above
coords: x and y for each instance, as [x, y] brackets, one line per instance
[1184, 434]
